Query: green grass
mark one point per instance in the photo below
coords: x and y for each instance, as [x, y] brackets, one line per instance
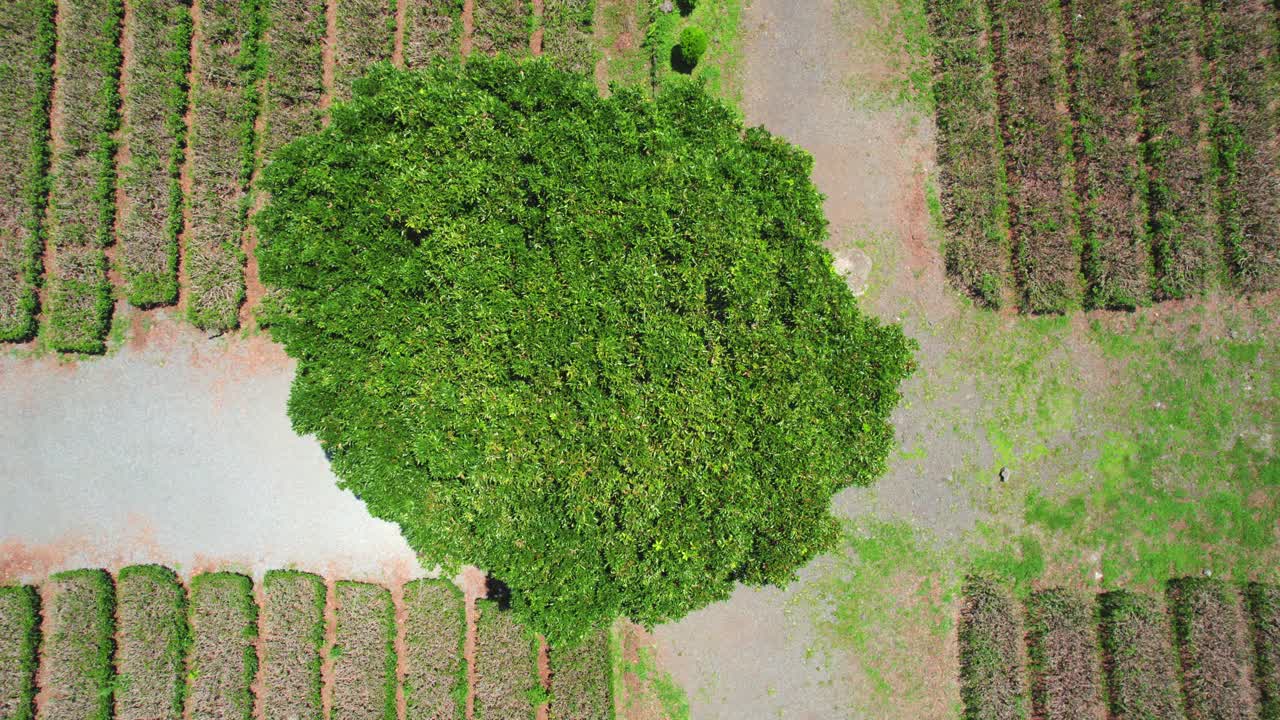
[721, 67]
[895, 32]
[630, 65]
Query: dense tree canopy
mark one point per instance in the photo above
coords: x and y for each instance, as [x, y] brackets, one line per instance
[593, 346]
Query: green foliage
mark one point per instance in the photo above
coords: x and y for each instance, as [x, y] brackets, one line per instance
[27, 38]
[594, 346]
[693, 43]
[20, 623]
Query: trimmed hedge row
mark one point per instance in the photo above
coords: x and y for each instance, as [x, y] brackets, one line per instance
[974, 201]
[19, 643]
[1213, 642]
[76, 646]
[1117, 254]
[566, 37]
[991, 656]
[1032, 80]
[581, 680]
[26, 77]
[364, 668]
[83, 186]
[1141, 676]
[1169, 77]
[1063, 656]
[155, 135]
[292, 641]
[366, 35]
[432, 29]
[1243, 50]
[502, 26]
[224, 660]
[154, 636]
[224, 104]
[506, 665]
[435, 683]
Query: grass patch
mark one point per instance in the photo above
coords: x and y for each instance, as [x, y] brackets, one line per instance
[154, 638]
[293, 624]
[19, 644]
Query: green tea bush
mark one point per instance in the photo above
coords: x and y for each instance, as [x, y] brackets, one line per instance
[693, 43]
[593, 346]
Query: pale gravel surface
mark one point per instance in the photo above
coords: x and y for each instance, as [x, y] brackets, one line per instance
[176, 450]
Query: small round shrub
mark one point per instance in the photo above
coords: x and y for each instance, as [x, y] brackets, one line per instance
[693, 43]
[592, 346]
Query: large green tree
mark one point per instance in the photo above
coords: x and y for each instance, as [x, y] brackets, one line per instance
[593, 346]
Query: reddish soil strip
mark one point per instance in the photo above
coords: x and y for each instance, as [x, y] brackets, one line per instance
[473, 589]
[468, 31]
[330, 55]
[1138, 658]
[535, 40]
[991, 649]
[1214, 646]
[184, 179]
[401, 647]
[1064, 653]
[259, 682]
[330, 640]
[402, 14]
[544, 675]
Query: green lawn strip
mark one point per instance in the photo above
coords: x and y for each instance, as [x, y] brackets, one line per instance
[974, 202]
[151, 611]
[1142, 679]
[1063, 655]
[991, 653]
[364, 659]
[505, 666]
[435, 683]
[1038, 152]
[223, 658]
[567, 34]
[1117, 253]
[432, 29]
[292, 638]
[224, 105]
[720, 67]
[26, 76]
[1242, 48]
[77, 641]
[155, 134]
[1213, 643]
[366, 35]
[293, 41]
[502, 26]
[19, 643]
[1184, 251]
[897, 33]
[82, 197]
[1263, 601]
[581, 680]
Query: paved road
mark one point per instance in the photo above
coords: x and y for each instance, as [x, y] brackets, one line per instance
[175, 449]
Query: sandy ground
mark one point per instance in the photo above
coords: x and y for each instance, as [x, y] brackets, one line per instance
[175, 449]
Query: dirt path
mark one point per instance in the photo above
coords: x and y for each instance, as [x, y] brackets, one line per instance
[468, 26]
[402, 15]
[330, 55]
[330, 640]
[474, 588]
[535, 40]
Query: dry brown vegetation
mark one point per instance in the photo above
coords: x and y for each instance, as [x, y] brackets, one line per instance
[1064, 659]
[223, 659]
[506, 665]
[364, 667]
[1215, 652]
[1264, 613]
[1138, 658]
[434, 634]
[501, 26]
[581, 680]
[150, 662]
[991, 654]
[77, 641]
[366, 35]
[293, 43]
[292, 639]
[433, 29]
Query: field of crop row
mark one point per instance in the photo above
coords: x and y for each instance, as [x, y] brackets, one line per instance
[143, 646]
[1107, 153]
[132, 133]
[1207, 649]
